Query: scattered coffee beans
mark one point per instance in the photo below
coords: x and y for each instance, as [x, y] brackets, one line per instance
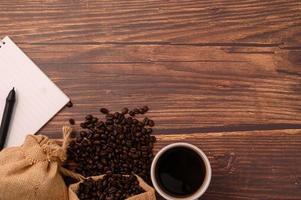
[111, 187]
[121, 144]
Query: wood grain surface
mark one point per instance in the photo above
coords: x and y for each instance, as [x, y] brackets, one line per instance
[223, 75]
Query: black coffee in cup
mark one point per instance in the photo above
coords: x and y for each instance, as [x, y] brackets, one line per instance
[180, 172]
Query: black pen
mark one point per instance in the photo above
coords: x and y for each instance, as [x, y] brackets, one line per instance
[8, 110]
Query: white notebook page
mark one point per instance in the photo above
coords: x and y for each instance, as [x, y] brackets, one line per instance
[38, 98]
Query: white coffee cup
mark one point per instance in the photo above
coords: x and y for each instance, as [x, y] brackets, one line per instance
[202, 188]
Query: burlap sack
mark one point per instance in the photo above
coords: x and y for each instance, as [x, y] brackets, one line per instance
[149, 193]
[33, 171]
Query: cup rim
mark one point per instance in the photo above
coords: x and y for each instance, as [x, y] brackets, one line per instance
[207, 178]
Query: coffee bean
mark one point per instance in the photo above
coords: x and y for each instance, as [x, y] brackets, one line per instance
[109, 116]
[145, 121]
[135, 121]
[83, 133]
[69, 104]
[94, 120]
[149, 130]
[99, 124]
[109, 122]
[96, 142]
[136, 111]
[141, 111]
[153, 138]
[71, 121]
[124, 111]
[79, 139]
[116, 115]
[131, 113]
[129, 120]
[151, 123]
[89, 117]
[104, 110]
[140, 124]
[144, 131]
[83, 125]
[145, 108]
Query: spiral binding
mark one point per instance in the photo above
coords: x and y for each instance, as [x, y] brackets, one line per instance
[2, 43]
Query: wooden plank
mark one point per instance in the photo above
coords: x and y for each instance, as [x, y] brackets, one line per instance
[190, 88]
[263, 59]
[184, 96]
[249, 165]
[141, 53]
[199, 22]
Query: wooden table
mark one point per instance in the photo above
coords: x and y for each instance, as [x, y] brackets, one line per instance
[223, 75]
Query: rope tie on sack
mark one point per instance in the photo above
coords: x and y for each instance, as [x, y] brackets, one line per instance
[67, 130]
[53, 151]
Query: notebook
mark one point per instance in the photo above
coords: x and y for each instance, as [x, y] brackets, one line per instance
[38, 99]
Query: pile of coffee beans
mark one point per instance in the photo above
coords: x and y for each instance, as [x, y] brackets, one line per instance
[110, 187]
[120, 144]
